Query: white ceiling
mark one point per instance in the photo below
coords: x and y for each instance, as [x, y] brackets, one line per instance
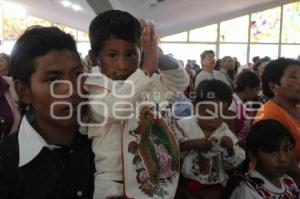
[170, 16]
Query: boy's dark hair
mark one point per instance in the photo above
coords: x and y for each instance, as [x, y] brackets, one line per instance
[32, 44]
[205, 53]
[273, 73]
[247, 78]
[213, 90]
[115, 23]
[266, 136]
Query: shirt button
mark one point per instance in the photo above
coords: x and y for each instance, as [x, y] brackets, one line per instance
[79, 193]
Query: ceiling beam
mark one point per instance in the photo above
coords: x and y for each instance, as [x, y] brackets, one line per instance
[100, 6]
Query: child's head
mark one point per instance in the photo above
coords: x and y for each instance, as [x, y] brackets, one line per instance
[40, 57]
[248, 82]
[115, 43]
[270, 145]
[213, 98]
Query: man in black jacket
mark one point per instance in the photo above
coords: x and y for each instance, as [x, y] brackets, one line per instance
[48, 157]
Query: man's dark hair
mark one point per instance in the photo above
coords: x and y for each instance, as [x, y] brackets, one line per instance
[273, 73]
[114, 23]
[213, 90]
[35, 43]
[245, 79]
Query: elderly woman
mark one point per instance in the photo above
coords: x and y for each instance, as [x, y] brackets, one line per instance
[281, 84]
[9, 116]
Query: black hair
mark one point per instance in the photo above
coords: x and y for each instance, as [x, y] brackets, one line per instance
[119, 24]
[265, 135]
[213, 90]
[273, 73]
[247, 78]
[32, 44]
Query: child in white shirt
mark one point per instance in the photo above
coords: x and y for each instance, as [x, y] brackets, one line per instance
[208, 146]
[124, 166]
[270, 147]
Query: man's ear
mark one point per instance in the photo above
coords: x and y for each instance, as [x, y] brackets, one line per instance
[93, 57]
[23, 92]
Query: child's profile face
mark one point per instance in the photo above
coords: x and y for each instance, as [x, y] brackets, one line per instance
[61, 65]
[118, 58]
[209, 114]
[274, 164]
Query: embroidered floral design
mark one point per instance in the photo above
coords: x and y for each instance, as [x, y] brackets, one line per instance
[291, 189]
[201, 166]
[156, 154]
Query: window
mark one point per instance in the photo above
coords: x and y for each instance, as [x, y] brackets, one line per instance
[290, 51]
[265, 26]
[235, 30]
[291, 23]
[263, 50]
[71, 31]
[83, 48]
[177, 37]
[1, 25]
[204, 34]
[7, 46]
[14, 24]
[234, 50]
[186, 51]
[82, 36]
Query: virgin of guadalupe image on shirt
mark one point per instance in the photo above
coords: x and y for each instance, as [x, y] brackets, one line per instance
[156, 154]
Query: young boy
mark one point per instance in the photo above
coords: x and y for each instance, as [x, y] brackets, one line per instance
[206, 143]
[247, 88]
[47, 157]
[131, 159]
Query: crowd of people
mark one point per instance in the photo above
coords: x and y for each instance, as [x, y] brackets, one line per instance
[142, 125]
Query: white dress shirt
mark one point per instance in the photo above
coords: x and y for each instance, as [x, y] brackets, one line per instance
[31, 143]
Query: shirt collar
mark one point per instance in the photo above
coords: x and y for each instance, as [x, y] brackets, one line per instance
[267, 184]
[30, 143]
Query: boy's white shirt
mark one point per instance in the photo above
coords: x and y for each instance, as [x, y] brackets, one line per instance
[192, 131]
[244, 191]
[107, 140]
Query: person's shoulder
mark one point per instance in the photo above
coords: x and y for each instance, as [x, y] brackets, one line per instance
[10, 145]
[9, 151]
[202, 73]
[269, 110]
[187, 122]
[188, 119]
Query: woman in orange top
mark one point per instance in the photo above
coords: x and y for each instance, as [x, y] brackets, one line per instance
[281, 84]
